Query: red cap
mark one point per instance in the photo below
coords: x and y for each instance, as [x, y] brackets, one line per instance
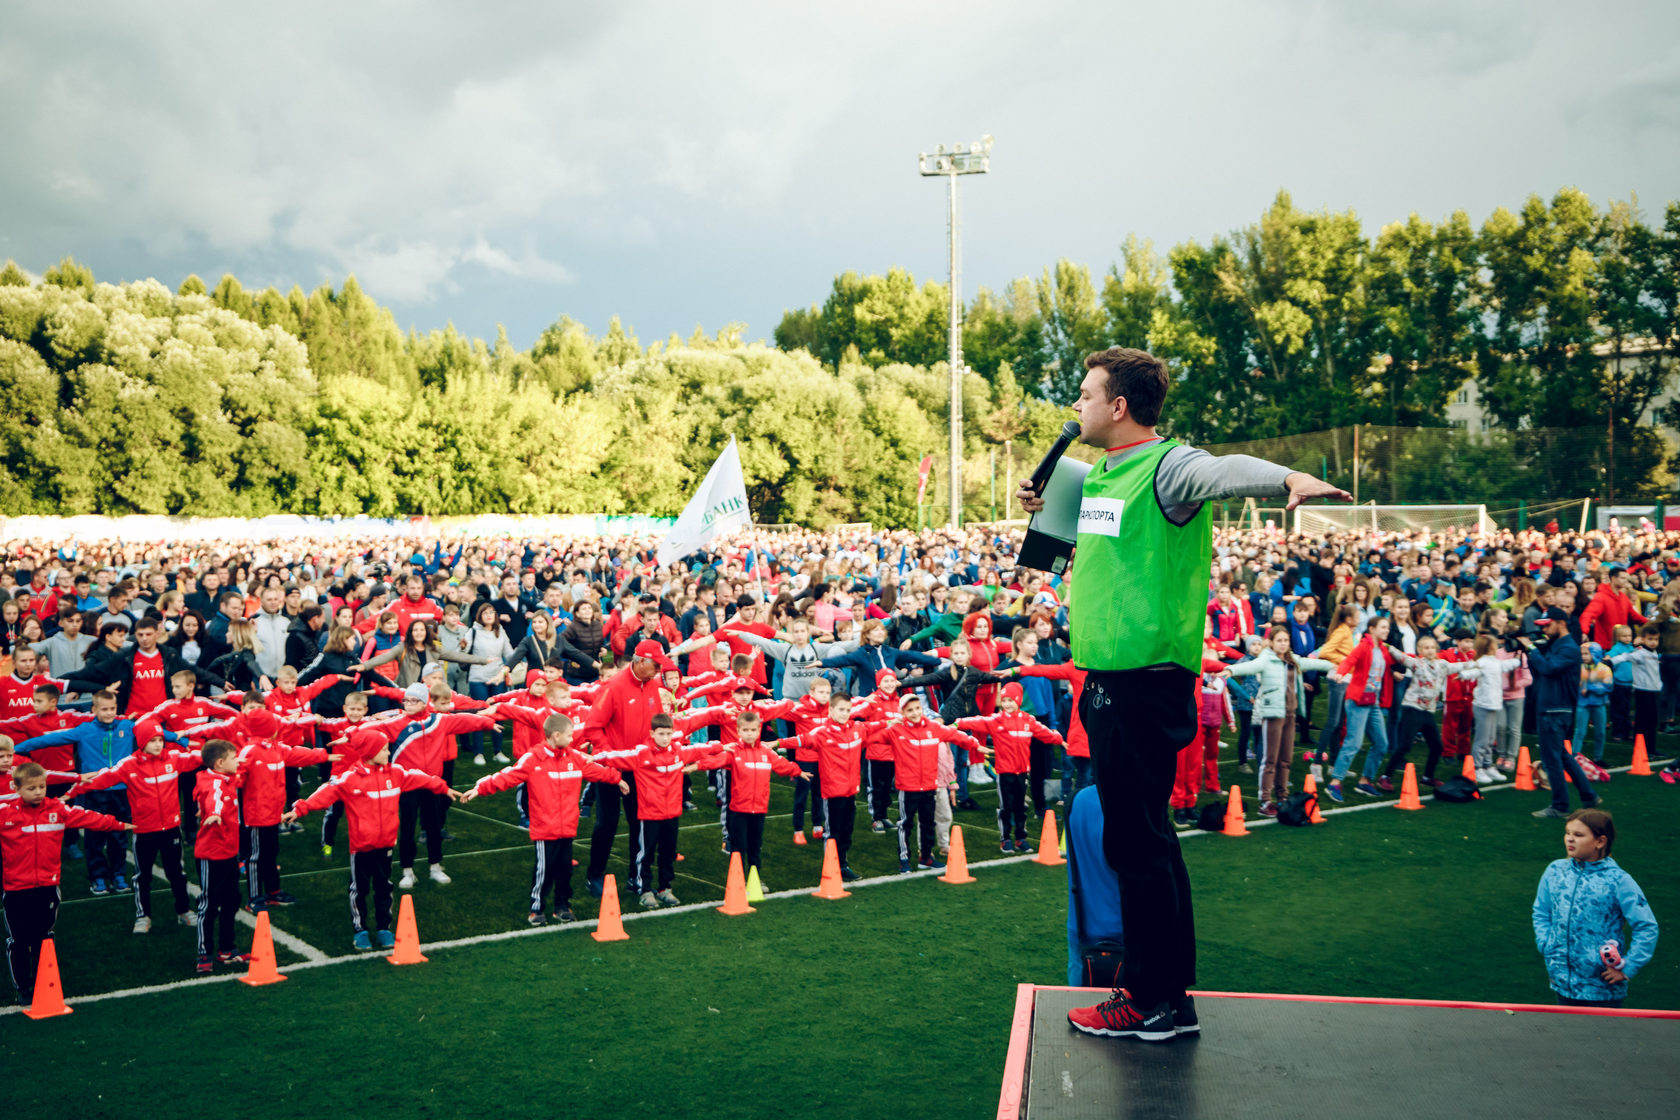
[261, 724]
[365, 743]
[145, 731]
[655, 652]
[1012, 691]
[883, 674]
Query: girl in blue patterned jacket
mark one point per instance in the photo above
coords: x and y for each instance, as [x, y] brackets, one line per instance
[1579, 913]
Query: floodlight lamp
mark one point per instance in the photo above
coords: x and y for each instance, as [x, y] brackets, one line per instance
[986, 142]
[974, 148]
[940, 150]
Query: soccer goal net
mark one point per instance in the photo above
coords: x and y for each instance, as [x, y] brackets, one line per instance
[1391, 519]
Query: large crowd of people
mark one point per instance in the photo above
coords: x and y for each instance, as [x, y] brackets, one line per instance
[182, 693]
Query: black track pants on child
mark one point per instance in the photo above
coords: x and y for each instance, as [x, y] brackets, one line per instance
[746, 835]
[552, 870]
[426, 808]
[218, 902]
[807, 787]
[162, 848]
[659, 840]
[370, 875]
[914, 806]
[880, 788]
[842, 818]
[30, 914]
[262, 863]
[1012, 806]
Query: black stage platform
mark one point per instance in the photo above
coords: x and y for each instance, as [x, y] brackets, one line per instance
[1295, 1056]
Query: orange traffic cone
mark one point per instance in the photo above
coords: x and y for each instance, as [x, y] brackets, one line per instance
[1234, 825]
[48, 999]
[1048, 844]
[1409, 790]
[262, 969]
[1641, 760]
[1525, 770]
[830, 887]
[956, 860]
[407, 950]
[609, 927]
[1469, 770]
[735, 890]
[1312, 788]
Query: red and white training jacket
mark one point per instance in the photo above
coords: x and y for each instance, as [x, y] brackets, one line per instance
[32, 840]
[8, 791]
[185, 715]
[659, 792]
[33, 727]
[749, 775]
[1012, 737]
[154, 800]
[553, 782]
[217, 795]
[370, 795]
[263, 769]
[915, 751]
[839, 748]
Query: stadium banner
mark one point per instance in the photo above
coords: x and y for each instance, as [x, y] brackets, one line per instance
[719, 506]
[922, 477]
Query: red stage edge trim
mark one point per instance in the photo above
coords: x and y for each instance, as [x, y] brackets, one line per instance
[1555, 1009]
[1015, 1065]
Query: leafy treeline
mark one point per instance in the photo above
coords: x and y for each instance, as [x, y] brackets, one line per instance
[1563, 314]
[133, 399]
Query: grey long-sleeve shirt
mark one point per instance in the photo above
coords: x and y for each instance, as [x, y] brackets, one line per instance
[1189, 476]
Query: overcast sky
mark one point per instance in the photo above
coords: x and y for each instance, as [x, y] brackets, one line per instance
[696, 164]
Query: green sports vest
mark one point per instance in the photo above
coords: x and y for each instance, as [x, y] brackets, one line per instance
[1140, 583]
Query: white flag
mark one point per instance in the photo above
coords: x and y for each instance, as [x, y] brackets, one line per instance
[719, 506]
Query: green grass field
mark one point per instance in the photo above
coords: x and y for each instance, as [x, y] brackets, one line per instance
[897, 999]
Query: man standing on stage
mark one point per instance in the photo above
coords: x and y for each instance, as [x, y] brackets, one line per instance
[1136, 603]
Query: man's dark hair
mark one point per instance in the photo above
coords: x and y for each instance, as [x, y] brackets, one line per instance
[1138, 376]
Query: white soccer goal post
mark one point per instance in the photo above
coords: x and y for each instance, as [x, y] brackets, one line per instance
[1391, 519]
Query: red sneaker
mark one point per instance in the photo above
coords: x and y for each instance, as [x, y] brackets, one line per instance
[1119, 1017]
[817, 832]
[799, 838]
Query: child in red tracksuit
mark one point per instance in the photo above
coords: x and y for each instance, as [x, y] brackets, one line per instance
[722, 716]
[262, 765]
[339, 733]
[553, 774]
[31, 850]
[181, 713]
[1456, 724]
[915, 750]
[658, 768]
[370, 791]
[151, 777]
[750, 764]
[1012, 732]
[1216, 713]
[839, 746]
[217, 851]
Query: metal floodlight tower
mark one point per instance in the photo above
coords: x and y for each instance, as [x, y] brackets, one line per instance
[961, 159]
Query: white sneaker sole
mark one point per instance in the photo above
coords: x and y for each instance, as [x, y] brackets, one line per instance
[1104, 1032]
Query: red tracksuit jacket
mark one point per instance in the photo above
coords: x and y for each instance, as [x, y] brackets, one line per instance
[291, 705]
[839, 748]
[620, 717]
[32, 840]
[217, 795]
[153, 798]
[426, 743]
[1012, 737]
[876, 706]
[1078, 745]
[659, 791]
[915, 750]
[553, 783]
[262, 769]
[527, 734]
[341, 728]
[8, 792]
[33, 726]
[458, 703]
[184, 715]
[370, 795]
[749, 775]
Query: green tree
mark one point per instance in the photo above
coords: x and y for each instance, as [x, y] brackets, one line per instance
[1074, 325]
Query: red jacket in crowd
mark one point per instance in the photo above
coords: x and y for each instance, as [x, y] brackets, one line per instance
[915, 751]
[1356, 666]
[1078, 746]
[262, 770]
[288, 706]
[622, 714]
[154, 801]
[553, 782]
[17, 694]
[1609, 609]
[659, 773]
[217, 795]
[749, 776]
[32, 840]
[34, 726]
[370, 795]
[426, 743]
[1012, 737]
[185, 715]
[839, 750]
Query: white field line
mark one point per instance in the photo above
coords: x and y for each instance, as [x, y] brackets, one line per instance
[321, 960]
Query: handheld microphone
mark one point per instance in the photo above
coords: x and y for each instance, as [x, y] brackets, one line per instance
[1047, 465]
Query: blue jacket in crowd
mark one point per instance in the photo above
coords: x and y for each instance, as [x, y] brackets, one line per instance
[98, 745]
[1581, 905]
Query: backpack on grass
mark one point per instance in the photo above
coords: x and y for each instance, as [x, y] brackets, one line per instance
[1212, 818]
[1457, 790]
[1298, 810]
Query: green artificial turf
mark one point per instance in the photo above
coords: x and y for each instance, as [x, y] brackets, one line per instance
[896, 1000]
